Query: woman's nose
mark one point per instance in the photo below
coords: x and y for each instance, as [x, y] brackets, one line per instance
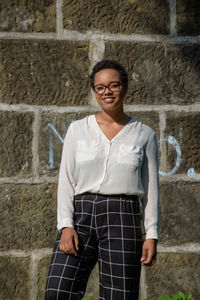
[107, 91]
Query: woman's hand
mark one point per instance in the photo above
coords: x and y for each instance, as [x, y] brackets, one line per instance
[149, 252]
[69, 241]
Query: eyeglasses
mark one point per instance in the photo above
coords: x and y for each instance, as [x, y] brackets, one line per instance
[113, 86]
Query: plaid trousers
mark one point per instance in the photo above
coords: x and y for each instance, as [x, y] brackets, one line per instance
[109, 231]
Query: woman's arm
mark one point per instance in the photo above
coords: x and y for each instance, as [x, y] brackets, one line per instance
[150, 181]
[66, 184]
[65, 197]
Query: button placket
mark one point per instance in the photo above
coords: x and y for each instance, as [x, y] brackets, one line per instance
[106, 165]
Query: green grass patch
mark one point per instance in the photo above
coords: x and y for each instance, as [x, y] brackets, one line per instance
[178, 296]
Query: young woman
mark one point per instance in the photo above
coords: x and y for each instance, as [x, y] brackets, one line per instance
[108, 178]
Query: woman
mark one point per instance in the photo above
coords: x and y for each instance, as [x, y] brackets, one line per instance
[109, 168]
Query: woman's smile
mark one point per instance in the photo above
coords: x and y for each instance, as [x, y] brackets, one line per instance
[108, 99]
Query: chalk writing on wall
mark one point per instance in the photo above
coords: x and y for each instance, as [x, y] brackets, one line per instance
[170, 139]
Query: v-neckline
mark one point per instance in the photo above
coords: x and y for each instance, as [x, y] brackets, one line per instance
[119, 133]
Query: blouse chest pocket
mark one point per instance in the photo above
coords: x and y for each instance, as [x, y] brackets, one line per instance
[130, 155]
[86, 151]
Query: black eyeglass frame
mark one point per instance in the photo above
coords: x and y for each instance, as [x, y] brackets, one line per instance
[107, 86]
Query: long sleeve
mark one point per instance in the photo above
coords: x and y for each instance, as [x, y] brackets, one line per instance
[150, 181]
[66, 184]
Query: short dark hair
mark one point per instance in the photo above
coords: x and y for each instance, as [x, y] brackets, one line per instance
[110, 64]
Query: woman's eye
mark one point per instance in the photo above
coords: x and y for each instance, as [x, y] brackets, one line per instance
[99, 88]
[115, 85]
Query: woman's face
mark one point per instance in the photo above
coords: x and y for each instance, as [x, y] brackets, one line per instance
[109, 90]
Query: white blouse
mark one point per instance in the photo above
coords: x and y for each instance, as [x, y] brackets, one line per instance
[128, 164]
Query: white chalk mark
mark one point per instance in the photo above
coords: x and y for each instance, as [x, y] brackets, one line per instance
[52, 128]
[191, 173]
[172, 141]
[51, 159]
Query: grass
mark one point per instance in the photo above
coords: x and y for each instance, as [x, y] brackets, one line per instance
[178, 296]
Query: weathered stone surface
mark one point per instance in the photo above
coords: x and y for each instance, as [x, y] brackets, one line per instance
[60, 123]
[44, 72]
[28, 216]
[184, 73]
[117, 16]
[14, 283]
[43, 268]
[148, 118]
[92, 290]
[185, 128]
[179, 206]
[174, 272]
[188, 21]
[158, 74]
[148, 71]
[16, 141]
[28, 16]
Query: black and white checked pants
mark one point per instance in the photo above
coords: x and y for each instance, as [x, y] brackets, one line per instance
[109, 231]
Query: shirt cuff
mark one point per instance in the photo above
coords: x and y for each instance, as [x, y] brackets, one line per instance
[152, 234]
[66, 222]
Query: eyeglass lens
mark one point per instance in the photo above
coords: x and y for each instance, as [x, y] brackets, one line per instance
[112, 86]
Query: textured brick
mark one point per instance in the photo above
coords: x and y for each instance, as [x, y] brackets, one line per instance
[179, 205]
[148, 118]
[92, 290]
[44, 72]
[185, 127]
[148, 71]
[16, 140]
[14, 283]
[43, 268]
[61, 123]
[184, 73]
[158, 74]
[117, 16]
[188, 13]
[28, 16]
[174, 272]
[28, 216]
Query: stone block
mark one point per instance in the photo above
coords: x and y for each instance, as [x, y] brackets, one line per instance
[92, 290]
[174, 272]
[60, 123]
[184, 73]
[179, 206]
[15, 278]
[188, 22]
[44, 72]
[148, 118]
[28, 16]
[43, 268]
[28, 216]
[126, 16]
[16, 142]
[148, 70]
[185, 128]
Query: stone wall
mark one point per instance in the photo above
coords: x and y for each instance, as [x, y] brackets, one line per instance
[47, 49]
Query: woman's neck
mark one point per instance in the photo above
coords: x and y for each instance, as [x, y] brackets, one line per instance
[113, 117]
